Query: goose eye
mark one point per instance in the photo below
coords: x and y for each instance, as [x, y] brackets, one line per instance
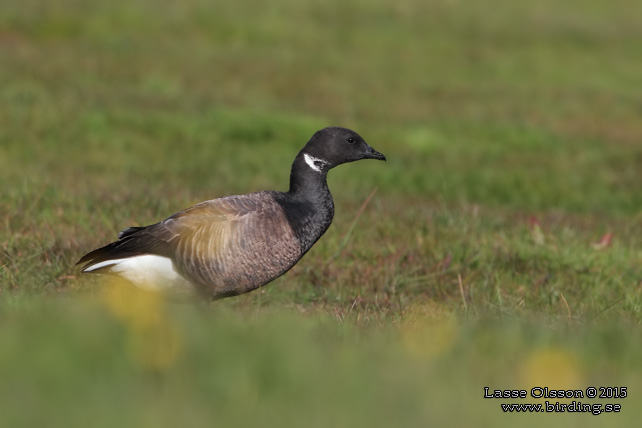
[351, 140]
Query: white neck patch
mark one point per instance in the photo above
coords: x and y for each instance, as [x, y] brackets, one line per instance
[314, 163]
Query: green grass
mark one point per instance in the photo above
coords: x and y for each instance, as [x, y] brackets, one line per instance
[512, 134]
[268, 367]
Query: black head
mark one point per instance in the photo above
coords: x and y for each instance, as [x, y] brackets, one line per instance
[333, 146]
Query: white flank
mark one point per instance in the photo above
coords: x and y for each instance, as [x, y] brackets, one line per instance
[310, 160]
[148, 271]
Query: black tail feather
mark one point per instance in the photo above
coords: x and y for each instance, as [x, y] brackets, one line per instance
[130, 231]
[131, 242]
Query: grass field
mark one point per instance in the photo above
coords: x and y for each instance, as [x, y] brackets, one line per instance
[501, 246]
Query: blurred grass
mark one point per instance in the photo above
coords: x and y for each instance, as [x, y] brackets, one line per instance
[513, 137]
[258, 367]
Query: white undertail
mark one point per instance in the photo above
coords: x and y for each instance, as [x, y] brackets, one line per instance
[148, 271]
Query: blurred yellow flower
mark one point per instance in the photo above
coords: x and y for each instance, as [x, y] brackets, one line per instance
[428, 331]
[154, 346]
[552, 368]
[131, 304]
[153, 341]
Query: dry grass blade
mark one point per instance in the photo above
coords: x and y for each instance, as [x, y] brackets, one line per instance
[346, 237]
[461, 290]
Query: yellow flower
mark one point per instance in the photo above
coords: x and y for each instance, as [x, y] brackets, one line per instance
[552, 368]
[153, 341]
[154, 346]
[428, 331]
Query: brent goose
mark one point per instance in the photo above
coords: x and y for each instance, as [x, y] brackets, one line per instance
[232, 245]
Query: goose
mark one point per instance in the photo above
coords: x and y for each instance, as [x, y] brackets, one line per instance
[235, 244]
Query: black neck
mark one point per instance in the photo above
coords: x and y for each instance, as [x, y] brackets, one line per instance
[307, 182]
[310, 206]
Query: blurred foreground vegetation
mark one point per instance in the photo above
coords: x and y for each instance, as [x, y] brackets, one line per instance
[501, 247]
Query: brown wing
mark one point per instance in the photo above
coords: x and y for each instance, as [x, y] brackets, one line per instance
[231, 245]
